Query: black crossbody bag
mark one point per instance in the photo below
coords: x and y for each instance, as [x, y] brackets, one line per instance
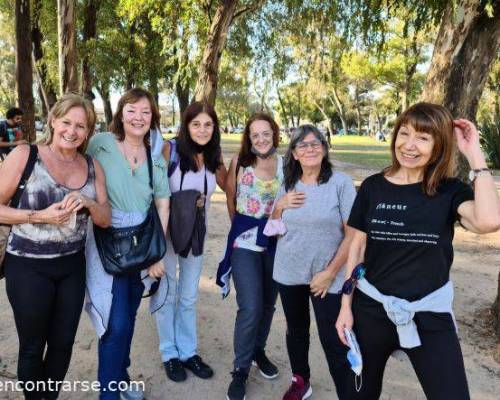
[128, 250]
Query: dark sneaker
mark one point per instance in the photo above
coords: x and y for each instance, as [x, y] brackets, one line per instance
[236, 390]
[175, 370]
[266, 368]
[196, 365]
[299, 390]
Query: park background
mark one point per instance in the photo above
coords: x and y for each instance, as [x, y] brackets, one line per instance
[347, 65]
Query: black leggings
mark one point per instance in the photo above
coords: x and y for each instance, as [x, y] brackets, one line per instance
[295, 301]
[46, 296]
[438, 362]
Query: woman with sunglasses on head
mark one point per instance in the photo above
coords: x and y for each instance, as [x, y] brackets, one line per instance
[403, 222]
[45, 260]
[113, 300]
[314, 204]
[195, 163]
[254, 178]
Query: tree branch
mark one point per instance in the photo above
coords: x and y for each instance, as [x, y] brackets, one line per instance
[253, 7]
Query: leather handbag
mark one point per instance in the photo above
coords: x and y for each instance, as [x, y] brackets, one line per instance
[131, 249]
[14, 202]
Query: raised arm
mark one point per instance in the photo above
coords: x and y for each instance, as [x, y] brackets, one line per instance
[482, 215]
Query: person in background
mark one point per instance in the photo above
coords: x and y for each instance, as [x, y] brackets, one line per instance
[45, 260]
[195, 163]
[11, 133]
[112, 301]
[312, 208]
[403, 224]
[254, 177]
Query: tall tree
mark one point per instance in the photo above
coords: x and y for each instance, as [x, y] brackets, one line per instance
[24, 67]
[206, 86]
[88, 38]
[467, 43]
[46, 89]
[225, 14]
[68, 72]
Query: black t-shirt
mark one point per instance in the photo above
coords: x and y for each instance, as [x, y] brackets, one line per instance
[409, 234]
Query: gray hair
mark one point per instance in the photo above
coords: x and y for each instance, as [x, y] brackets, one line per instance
[292, 169]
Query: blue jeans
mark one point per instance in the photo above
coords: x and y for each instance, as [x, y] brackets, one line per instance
[176, 320]
[256, 293]
[114, 346]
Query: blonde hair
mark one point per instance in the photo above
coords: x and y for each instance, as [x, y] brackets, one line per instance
[437, 121]
[61, 108]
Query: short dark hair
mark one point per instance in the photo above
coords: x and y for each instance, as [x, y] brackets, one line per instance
[13, 112]
[246, 157]
[186, 149]
[130, 97]
[293, 170]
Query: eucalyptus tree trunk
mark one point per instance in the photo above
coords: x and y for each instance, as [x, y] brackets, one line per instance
[68, 75]
[340, 109]
[24, 67]
[47, 90]
[89, 36]
[208, 72]
[467, 44]
[105, 96]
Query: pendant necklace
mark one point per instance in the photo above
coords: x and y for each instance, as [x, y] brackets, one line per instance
[134, 156]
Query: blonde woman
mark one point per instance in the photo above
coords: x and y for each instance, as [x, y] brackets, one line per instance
[45, 261]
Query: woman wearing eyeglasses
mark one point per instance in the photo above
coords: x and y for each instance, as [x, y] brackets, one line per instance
[255, 176]
[314, 204]
[195, 163]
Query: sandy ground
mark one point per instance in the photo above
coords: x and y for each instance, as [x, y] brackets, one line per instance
[474, 273]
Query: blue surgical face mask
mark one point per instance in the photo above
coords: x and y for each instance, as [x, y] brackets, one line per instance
[354, 357]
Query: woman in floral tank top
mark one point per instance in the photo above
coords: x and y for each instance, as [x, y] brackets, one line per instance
[254, 178]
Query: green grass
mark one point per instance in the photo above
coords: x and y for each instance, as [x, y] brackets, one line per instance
[360, 150]
[363, 151]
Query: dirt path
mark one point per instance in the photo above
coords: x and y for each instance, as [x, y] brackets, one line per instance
[475, 274]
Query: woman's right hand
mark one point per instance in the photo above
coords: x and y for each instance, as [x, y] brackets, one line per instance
[291, 200]
[344, 320]
[55, 214]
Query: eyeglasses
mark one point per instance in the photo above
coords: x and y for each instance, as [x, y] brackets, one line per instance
[198, 125]
[302, 146]
[357, 274]
[266, 135]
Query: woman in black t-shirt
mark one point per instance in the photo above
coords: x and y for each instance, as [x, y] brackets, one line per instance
[403, 222]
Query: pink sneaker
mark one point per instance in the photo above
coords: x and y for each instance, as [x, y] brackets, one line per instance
[299, 390]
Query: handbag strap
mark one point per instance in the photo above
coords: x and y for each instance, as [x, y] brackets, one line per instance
[205, 190]
[28, 169]
[150, 168]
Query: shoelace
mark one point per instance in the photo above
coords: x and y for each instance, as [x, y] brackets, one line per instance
[173, 364]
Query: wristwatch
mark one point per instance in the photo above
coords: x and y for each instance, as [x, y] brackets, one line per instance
[474, 173]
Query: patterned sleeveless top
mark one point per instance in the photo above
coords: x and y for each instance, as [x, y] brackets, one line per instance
[255, 198]
[46, 240]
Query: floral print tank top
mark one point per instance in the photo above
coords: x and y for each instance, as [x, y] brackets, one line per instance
[255, 198]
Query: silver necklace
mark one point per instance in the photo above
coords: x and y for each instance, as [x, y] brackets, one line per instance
[135, 160]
